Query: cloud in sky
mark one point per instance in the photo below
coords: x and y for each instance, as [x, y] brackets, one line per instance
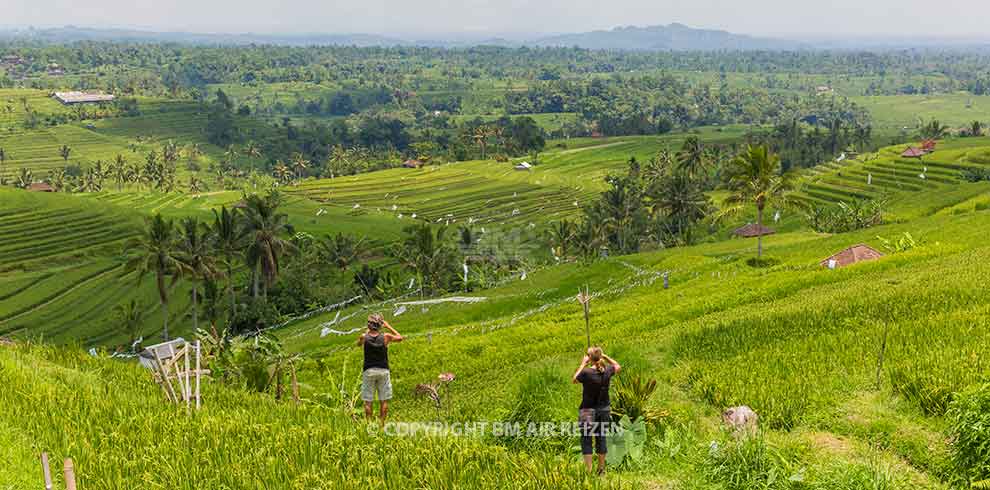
[948, 18]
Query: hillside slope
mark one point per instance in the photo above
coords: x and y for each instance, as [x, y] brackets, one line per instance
[796, 342]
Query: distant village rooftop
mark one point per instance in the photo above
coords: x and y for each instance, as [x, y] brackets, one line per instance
[69, 98]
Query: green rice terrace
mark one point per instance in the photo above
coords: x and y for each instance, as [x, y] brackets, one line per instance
[866, 376]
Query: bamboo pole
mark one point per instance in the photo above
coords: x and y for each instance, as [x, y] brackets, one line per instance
[585, 299]
[198, 349]
[188, 391]
[70, 475]
[46, 469]
[170, 391]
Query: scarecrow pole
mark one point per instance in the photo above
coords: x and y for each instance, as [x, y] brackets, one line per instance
[585, 299]
[883, 350]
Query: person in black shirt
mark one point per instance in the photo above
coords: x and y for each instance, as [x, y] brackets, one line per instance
[376, 377]
[594, 415]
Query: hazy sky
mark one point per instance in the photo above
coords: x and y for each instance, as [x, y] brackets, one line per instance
[945, 18]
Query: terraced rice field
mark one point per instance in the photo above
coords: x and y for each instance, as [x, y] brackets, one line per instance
[133, 137]
[304, 215]
[12, 112]
[887, 175]
[567, 176]
[61, 271]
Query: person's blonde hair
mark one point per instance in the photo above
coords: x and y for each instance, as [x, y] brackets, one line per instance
[597, 358]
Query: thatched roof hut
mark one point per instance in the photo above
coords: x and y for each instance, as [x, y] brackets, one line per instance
[413, 163]
[852, 255]
[753, 230]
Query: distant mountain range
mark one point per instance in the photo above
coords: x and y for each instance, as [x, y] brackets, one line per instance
[673, 37]
[74, 34]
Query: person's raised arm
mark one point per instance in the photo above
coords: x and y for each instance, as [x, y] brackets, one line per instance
[616, 367]
[584, 364]
[394, 336]
[361, 340]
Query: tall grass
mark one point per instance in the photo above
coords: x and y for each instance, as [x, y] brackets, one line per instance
[112, 420]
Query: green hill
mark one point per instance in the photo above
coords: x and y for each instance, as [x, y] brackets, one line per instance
[796, 342]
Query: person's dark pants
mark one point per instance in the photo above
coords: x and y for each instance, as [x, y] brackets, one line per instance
[594, 424]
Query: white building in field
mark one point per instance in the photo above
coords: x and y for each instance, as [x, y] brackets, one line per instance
[70, 98]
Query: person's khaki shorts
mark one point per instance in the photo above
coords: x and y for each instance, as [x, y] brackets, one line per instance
[376, 380]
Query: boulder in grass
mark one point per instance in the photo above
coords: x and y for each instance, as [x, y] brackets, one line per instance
[741, 420]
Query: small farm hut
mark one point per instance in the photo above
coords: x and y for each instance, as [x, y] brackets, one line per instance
[851, 255]
[753, 230]
[412, 163]
[40, 187]
[913, 152]
[523, 166]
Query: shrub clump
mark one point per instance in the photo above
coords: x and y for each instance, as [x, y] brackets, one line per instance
[969, 427]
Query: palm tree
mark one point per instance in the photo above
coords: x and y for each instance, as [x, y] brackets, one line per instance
[170, 153]
[193, 151]
[660, 165]
[299, 164]
[89, 182]
[64, 152]
[229, 155]
[426, 253]
[157, 253]
[56, 179]
[560, 237]
[934, 130]
[229, 240]
[339, 161]
[975, 129]
[199, 263]
[195, 185]
[692, 158]
[281, 172]
[341, 250]
[265, 245]
[480, 137]
[118, 170]
[131, 316]
[755, 178]
[681, 200]
[24, 179]
[252, 150]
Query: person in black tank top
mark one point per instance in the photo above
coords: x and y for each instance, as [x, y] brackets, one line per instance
[594, 415]
[376, 378]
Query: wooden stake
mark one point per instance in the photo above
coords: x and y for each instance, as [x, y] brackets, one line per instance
[46, 469]
[70, 475]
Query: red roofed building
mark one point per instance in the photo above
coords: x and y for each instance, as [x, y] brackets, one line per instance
[852, 255]
[40, 187]
[913, 152]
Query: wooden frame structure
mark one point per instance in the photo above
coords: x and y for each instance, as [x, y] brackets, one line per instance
[181, 362]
